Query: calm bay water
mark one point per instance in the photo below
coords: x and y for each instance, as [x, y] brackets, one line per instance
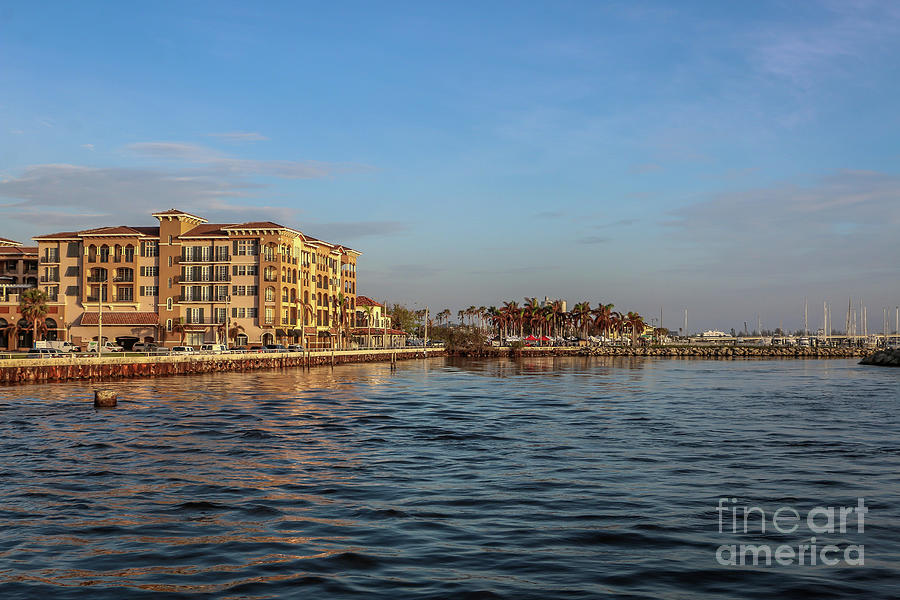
[542, 478]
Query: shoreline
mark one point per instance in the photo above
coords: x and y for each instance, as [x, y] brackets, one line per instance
[56, 370]
[17, 371]
[700, 352]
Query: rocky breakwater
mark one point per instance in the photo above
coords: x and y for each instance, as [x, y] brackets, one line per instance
[726, 352]
[883, 358]
[707, 352]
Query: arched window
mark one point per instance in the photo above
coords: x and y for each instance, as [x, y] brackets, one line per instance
[168, 303]
[129, 253]
[92, 253]
[98, 275]
[270, 294]
[117, 253]
[4, 339]
[51, 334]
[293, 294]
[124, 274]
[104, 253]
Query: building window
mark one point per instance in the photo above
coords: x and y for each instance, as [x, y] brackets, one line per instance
[168, 324]
[149, 290]
[104, 253]
[252, 312]
[168, 303]
[150, 248]
[270, 294]
[270, 315]
[150, 271]
[129, 253]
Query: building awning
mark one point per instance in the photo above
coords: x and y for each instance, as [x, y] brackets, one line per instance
[121, 318]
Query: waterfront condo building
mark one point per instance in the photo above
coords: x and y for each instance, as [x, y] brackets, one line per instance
[193, 282]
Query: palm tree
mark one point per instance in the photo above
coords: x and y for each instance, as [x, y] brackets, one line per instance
[603, 318]
[460, 316]
[581, 313]
[634, 321]
[33, 308]
[233, 332]
[444, 315]
[341, 304]
[180, 329]
[12, 334]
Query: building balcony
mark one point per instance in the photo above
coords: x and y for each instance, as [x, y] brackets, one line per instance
[97, 279]
[49, 259]
[124, 279]
[210, 279]
[49, 278]
[208, 259]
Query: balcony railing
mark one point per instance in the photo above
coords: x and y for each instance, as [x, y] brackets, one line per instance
[124, 279]
[49, 259]
[49, 278]
[213, 278]
[192, 258]
[97, 280]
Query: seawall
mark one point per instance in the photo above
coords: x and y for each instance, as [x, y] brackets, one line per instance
[120, 367]
[711, 352]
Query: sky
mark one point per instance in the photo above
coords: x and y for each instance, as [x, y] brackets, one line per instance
[731, 158]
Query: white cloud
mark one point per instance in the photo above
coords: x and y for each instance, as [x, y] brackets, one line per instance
[196, 154]
[88, 146]
[240, 136]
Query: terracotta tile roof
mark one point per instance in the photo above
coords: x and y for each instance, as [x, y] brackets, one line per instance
[151, 231]
[175, 211]
[19, 251]
[4, 241]
[121, 318]
[256, 225]
[61, 234]
[366, 301]
[208, 230]
[117, 231]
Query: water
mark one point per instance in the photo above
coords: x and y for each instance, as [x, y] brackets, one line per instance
[544, 478]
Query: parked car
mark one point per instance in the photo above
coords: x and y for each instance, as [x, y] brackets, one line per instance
[296, 348]
[257, 349]
[107, 347]
[45, 353]
[183, 350]
[275, 348]
[59, 345]
[151, 348]
[213, 349]
[241, 349]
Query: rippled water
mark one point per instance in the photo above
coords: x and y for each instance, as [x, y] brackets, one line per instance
[543, 478]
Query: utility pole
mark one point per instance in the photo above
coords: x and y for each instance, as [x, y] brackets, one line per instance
[686, 322]
[100, 320]
[425, 347]
[806, 317]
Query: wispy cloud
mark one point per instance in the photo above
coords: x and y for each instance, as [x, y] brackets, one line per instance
[550, 214]
[88, 146]
[202, 155]
[352, 230]
[239, 136]
[645, 168]
[593, 239]
[842, 224]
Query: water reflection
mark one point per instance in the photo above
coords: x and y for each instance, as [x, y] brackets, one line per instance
[540, 477]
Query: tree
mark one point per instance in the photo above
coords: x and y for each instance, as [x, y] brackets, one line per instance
[180, 329]
[33, 308]
[635, 322]
[233, 332]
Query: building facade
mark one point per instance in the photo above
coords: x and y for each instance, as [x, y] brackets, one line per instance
[193, 282]
[18, 272]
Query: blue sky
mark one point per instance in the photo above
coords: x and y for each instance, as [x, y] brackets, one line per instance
[732, 158]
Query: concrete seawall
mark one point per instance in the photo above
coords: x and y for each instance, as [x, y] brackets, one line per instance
[113, 367]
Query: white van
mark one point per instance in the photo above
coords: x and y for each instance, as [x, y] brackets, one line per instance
[182, 350]
[213, 349]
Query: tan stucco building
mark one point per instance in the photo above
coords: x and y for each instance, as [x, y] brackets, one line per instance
[189, 279]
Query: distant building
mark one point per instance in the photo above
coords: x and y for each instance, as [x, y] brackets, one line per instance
[374, 326]
[187, 279]
[18, 272]
[548, 301]
[713, 333]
